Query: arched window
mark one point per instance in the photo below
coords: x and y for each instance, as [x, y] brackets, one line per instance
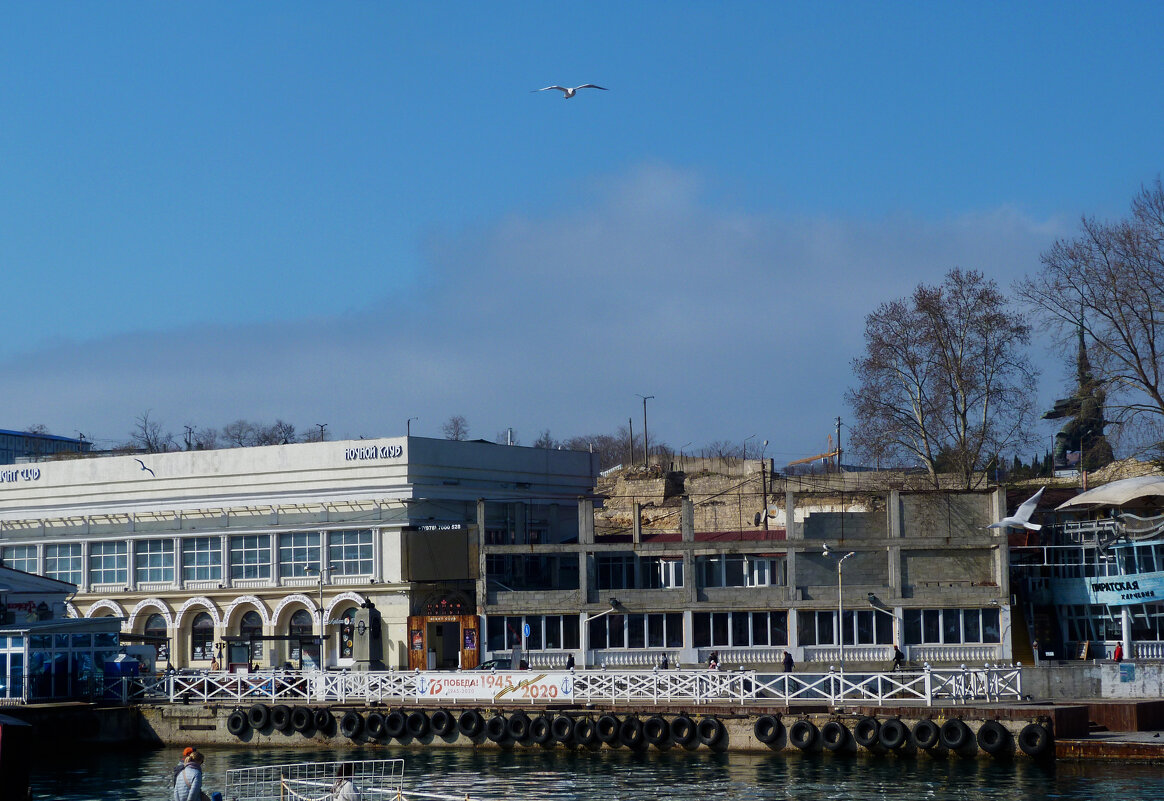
[251, 628]
[300, 629]
[347, 632]
[155, 626]
[202, 637]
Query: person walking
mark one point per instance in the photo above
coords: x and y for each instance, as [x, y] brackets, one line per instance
[664, 663]
[713, 661]
[188, 782]
[898, 658]
[1118, 656]
[787, 662]
[570, 661]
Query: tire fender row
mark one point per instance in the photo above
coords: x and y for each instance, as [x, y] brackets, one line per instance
[892, 735]
[952, 736]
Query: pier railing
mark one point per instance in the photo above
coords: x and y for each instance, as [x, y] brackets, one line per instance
[922, 686]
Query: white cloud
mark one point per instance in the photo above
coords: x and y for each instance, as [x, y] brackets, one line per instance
[739, 322]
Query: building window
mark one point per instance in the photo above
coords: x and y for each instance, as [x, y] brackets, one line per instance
[155, 626]
[251, 629]
[201, 559]
[349, 553]
[298, 551]
[21, 557]
[63, 562]
[153, 560]
[300, 629]
[108, 563]
[660, 573]
[250, 556]
[739, 570]
[202, 637]
[739, 629]
[615, 571]
[951, 626]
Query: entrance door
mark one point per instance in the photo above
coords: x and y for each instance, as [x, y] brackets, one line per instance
[444, 644]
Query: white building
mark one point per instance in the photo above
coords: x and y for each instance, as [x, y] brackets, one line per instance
[219, 553]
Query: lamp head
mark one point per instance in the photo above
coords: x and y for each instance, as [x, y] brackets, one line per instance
[614, 603]
[825, 551]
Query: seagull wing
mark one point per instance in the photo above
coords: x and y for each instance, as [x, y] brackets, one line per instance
[1028, 506]
[592, 86]
[545, 88]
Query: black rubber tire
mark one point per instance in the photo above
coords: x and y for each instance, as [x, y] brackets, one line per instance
[417, 724]
[585, 732]
[804, 735]
[443, 723]
[238, 723]
[711, 731]
[497, 728]
[376, 725]
[683, 730]
[351, 724]
[470, 723]
[323, 720]
[519, 726]
[281, 718]
[563, 728]
[994, 738]
[867, 732]
[395, 724]
[657, 732]
[956, 735]
[259, 716]
[540, 730]
[630, 734]
[894, 734]
[302, 720]
[835, 736]
[1036, 741]
[768, 729]
[927, 734]
[607, 728]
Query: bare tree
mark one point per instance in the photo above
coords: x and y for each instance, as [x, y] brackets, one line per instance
[149, 436]
[544, 440]
[278, 433]
[456, 427]
[1109, 283]
[945, 379]
[239, 434]
[37, 428]
[204, 439]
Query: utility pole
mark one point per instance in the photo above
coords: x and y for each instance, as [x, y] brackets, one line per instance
[838, 444]
[322, 426]
[408, 426]
[646, 452]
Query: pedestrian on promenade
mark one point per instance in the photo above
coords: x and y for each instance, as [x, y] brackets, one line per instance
[569, 661]
[1118, 656]
[713, 661]
[898, 658]
[787, 662]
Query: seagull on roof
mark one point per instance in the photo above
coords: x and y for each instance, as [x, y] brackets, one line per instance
[143, 467]
[570, 91]
[1021, 517]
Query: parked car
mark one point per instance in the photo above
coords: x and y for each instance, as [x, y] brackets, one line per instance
[495, 664]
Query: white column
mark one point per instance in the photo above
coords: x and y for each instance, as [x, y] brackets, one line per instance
[1126, 625]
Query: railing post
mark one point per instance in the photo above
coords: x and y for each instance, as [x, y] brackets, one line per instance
[928, 684]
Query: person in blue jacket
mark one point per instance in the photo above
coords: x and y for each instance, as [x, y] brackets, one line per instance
[188, 782]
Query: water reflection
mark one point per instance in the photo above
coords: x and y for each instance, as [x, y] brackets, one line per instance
[561, 775]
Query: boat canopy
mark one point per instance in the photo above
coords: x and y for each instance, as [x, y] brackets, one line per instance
[1146, 490]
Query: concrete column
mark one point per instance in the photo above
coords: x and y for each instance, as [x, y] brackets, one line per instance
[795, 531]
[585, 521]
[482, 583]
[637, 523]
[1126, 627]
[687, 521]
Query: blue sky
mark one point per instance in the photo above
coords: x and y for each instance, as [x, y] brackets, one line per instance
[359, 213]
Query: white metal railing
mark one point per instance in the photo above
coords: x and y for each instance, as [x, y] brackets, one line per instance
[924, 685]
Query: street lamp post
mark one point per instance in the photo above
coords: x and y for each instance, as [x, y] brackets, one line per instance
[840, 606]
[322, 573]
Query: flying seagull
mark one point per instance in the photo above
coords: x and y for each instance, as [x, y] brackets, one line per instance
[1019, 518]
[570, 91]
[143, 467]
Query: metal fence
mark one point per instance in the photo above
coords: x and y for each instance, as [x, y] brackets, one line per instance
[925, 686]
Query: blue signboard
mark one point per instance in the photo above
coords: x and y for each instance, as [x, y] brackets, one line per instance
[1118, 590]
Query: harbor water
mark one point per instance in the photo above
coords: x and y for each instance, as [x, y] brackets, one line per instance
[534, 775]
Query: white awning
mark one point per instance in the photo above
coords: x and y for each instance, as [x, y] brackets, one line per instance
[1117, 493]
